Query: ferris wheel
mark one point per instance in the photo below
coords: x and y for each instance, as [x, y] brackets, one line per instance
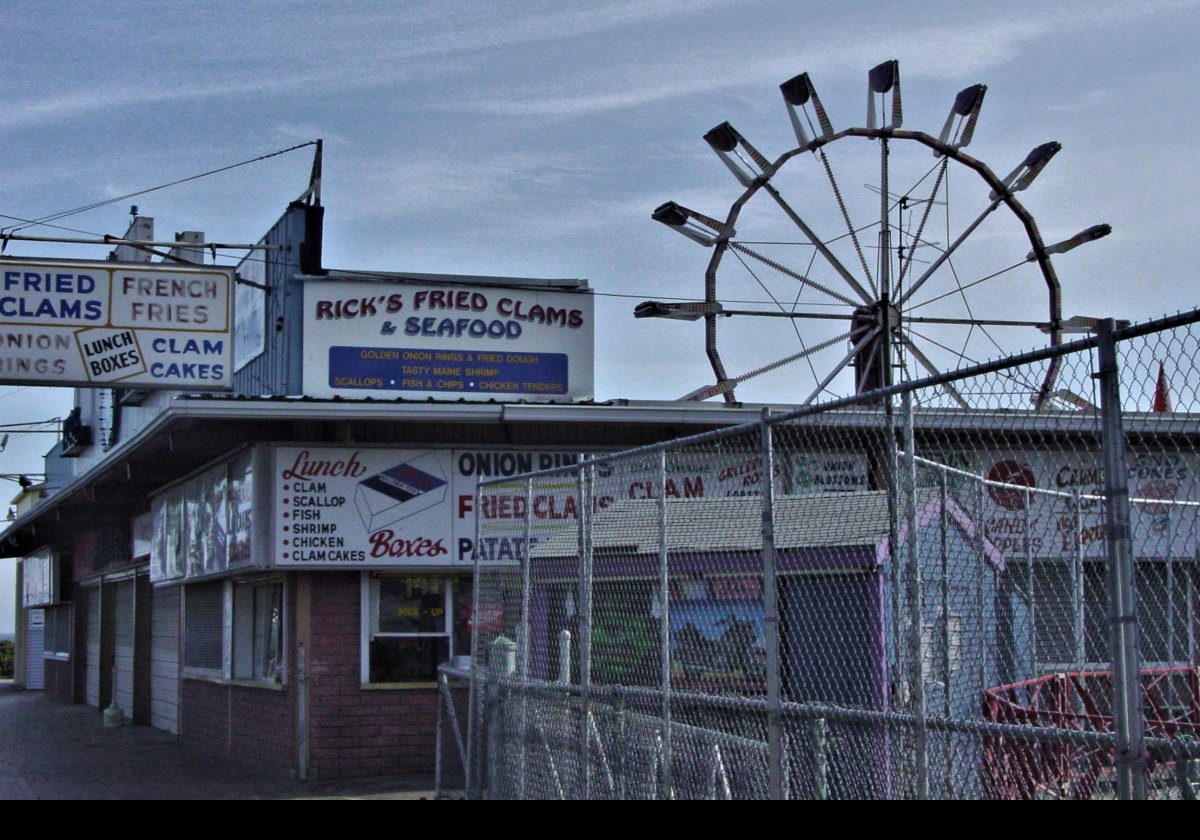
[881, 254]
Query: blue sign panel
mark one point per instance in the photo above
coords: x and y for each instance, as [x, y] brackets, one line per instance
[499, 373]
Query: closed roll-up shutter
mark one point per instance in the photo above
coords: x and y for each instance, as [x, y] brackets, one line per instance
[204, 612]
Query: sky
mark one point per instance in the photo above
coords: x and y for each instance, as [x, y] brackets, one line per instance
[534, 139]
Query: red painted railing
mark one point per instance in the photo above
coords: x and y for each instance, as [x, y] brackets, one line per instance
[1019, 768]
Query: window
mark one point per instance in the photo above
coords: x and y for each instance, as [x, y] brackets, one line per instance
[235, 629]
[202, 526]
[57, 638]
[258, 631]
[415, 624]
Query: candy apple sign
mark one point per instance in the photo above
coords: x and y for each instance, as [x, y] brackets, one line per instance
[108, 324]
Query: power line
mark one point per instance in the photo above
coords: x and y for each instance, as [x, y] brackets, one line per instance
[97, 204]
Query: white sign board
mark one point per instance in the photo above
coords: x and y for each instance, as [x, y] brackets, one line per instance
[371, 507]
[40, 579]
[105, 324]
[446, 342]
[363, 508]
[1061, 514]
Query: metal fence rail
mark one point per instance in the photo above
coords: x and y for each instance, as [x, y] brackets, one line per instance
[882, 597]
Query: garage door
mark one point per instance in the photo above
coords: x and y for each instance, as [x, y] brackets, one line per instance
[124, 637]
[833, 654]
[164, 660]
[92, 648]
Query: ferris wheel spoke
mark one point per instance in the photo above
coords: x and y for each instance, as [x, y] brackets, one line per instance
[945, 255]
[739, 248]
[850, 229]
[964, 359]
[833, 261]
[937, 184]
[931, 369]
[733, 382]
[962, 288]
[846, 360]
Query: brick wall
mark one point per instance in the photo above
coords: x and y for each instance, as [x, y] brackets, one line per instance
[251, 723]
[355, 731]
[257, 725]
[352, 731]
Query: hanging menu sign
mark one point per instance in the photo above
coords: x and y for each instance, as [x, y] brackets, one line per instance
[110, 324]
[345, 507]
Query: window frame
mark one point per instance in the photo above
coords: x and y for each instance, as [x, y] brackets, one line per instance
[369, 622]
[246, 664]
[54, 617]
[239, 615]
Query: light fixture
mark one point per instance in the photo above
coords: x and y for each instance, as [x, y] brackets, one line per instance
[1082, 324]
[695, 226]
[798, 92]
[1028, 169]
[1084, 236]
[676, 311]
[966, 107]
[725, 141]
[881, 79]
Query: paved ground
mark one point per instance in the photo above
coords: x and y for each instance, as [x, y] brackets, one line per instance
[51, 750]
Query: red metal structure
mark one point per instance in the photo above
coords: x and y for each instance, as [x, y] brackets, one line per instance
[1020, 768]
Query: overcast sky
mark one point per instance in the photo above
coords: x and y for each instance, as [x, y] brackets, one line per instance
[535, 138]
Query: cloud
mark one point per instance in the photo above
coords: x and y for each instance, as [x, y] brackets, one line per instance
[365, 49]
[834, 48]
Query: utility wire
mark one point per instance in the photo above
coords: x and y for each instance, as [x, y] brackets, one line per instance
[55, 227]
[94, 205]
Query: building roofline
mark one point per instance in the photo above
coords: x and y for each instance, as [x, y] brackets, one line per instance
[203, 408]
[561, 284]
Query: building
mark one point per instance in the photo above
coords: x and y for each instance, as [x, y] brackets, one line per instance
[276, 571]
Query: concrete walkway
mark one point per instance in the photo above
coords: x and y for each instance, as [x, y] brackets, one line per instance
[52, 750]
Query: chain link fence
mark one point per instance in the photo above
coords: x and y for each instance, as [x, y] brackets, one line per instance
[892, 596]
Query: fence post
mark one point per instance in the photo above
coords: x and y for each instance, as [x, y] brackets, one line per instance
[525, 639]
[1030, 600]
[475, 700]
[1077, 580]
[1170, 534]
[947, 693]
[771, 616]
[819, 737]
[664, 624]
[898, 695]
[1126, 656]
[585, 629]
[915, 641]
[981, 563]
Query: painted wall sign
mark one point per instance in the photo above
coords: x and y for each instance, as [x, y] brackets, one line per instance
[40, 579]
[366, 508]
[372, 507]
[105, 324]
[1062, 511]
[697, 476]
[474, 342]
